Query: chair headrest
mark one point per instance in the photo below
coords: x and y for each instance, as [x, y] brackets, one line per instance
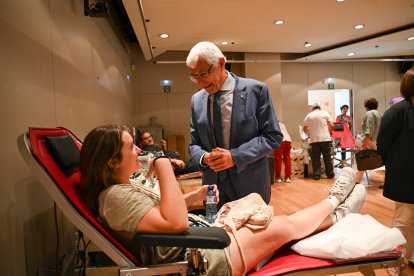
[64, 151]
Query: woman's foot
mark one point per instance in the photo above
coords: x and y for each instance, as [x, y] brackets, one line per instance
[344, 184]
[279, 180]
[352, 203]
[287, 180]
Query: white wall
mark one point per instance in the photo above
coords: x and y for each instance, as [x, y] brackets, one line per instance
[171, 109]
[269, 73]
[288, 84]
[377, 79]
[57, 68]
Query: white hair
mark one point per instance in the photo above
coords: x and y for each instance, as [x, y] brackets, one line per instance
[206, 51]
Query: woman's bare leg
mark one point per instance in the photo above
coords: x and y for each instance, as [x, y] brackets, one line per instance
[282, 229]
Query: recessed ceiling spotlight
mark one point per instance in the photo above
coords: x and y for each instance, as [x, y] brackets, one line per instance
[359, 26]
[224, 43]
[164, 35]
[307, 44]
[350, 54]
[339, 0]
[410, 38]
[279, 22]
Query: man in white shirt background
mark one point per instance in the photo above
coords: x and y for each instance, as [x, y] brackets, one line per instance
[318, 124]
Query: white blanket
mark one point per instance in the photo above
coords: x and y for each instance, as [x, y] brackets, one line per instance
[352, 237]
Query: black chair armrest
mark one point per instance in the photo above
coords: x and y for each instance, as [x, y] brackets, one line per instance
[194, 237]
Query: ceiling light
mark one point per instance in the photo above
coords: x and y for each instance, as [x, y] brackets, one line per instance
[164, 35]
[359, 26]
[307, 44]
[410, 38]
[166, 82]
[339, 0]
[279, 22]
[350, 54]
[329, 80]
[224, 43]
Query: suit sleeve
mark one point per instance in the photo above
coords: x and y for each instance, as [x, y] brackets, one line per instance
[194, 147]
[389, 127]
[268, 135]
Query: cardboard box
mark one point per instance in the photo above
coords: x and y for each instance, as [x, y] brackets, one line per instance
[297, 162]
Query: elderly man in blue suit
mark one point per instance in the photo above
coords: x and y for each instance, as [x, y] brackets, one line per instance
[233, 126]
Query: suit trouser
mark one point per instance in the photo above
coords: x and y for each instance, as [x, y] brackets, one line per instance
[404, 221]
[372, 144]
[226, 187]
[325, 149]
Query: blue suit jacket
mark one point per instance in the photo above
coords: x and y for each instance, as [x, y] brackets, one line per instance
[254, 133]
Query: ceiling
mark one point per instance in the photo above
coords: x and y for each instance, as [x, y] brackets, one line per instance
[248, 26]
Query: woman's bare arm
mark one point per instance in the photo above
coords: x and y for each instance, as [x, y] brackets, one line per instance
[170, 216]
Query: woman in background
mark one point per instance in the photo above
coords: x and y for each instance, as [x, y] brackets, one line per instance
[347, 120]
[370, 128]
[283, 152]
[396, 147]
[344, 117]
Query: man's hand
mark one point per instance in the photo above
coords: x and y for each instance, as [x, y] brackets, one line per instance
[163, 144]
[202, 192]
[178, 163]
[219, 159]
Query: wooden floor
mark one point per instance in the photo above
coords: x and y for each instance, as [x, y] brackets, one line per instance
[288, 198]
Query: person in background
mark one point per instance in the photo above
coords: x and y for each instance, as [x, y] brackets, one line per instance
[395, 145]
[347, 120]
[396, 100]
[147, 142]
[283, 152]
[318, 124]
[392, 102]
[109, 157]
[370, 128]
[233, 126]
[344, 117]
[180, 167]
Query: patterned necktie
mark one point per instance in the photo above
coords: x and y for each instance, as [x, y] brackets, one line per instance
[218, 129]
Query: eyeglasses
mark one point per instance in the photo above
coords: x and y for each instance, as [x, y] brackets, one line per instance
[201, 75]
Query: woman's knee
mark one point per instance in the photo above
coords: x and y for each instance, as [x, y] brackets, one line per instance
[284, 228]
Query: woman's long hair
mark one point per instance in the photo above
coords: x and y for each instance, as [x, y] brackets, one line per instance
[100, 152]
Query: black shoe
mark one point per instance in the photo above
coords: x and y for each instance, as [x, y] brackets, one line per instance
[317, 176]
[330, 176]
